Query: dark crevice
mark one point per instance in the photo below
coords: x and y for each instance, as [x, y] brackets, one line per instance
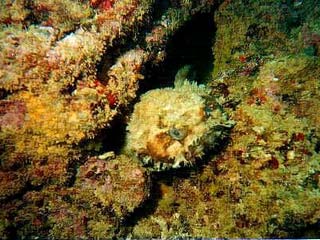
[160, 7]
[190, 45]
[108, 139]
[73, 167]
[113, 138]
[298, 229]
[109, 58]
[3, 94]
[119, 47]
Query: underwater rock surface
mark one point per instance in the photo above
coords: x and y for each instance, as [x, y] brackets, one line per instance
[120, 184]
[70, 71]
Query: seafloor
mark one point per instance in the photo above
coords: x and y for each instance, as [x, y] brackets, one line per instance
[159, 119]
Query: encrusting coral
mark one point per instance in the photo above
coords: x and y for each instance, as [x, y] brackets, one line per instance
[104, 194]
[121, 183]
[69, 68]
[52, 77]
[50, 58]
[266, 181]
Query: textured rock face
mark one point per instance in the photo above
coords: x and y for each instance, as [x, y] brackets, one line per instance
[69, 69]
[120, 184]
[171, 127]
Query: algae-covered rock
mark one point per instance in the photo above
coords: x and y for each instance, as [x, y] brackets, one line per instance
[120, 184]
[172, 127]
[266, 181]
[105, 192]
[68, 69]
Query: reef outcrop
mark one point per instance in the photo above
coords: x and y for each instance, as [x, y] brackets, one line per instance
[70, 73]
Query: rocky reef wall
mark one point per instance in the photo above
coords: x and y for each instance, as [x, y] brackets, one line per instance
[70, 69]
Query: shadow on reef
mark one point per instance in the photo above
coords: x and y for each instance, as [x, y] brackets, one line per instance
[190, 45]
[300, 230]
[108, 139]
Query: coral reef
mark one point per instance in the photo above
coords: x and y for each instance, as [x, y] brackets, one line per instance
[70, 69]
[65, 72]
[172, 127]
[265, 183]
[54, 76]
[104, 193]
[121, 183]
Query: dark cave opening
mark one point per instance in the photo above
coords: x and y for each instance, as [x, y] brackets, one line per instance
[190, 45]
